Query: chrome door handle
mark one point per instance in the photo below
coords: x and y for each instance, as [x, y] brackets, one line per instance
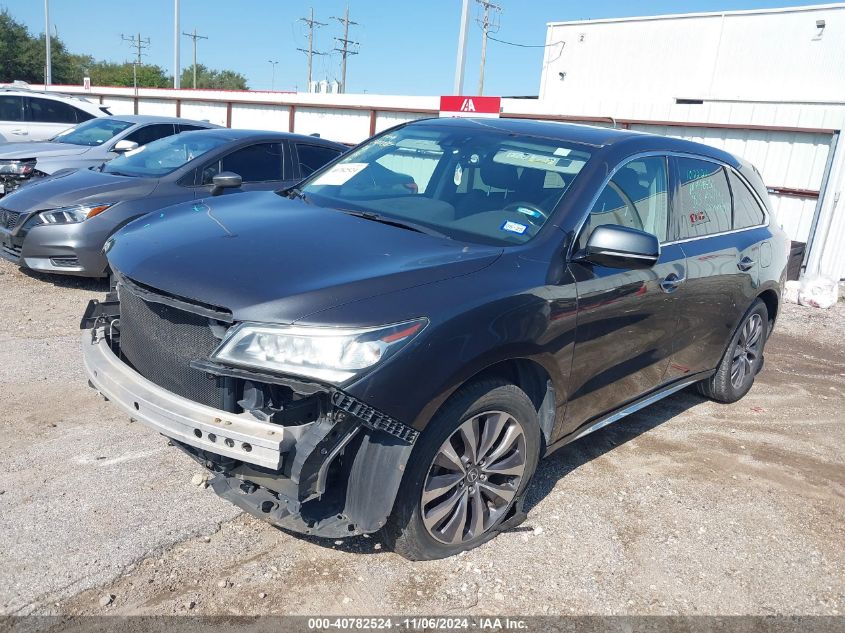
[745, 264]
[20, 132]
[671, 282]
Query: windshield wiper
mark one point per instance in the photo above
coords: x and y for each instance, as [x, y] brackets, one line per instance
[295, 193]
[403, 224]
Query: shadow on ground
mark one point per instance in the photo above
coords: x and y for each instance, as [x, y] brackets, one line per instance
[92, 284]
[556, 466]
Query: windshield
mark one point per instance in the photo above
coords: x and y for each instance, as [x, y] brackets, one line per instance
[93, 132]
[483, 185]
[165, 155]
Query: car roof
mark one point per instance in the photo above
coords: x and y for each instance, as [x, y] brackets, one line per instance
[152, 118]
[235, 134]
[612, 140]
[78, 101]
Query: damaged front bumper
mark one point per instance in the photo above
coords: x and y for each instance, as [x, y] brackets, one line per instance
[334, 476]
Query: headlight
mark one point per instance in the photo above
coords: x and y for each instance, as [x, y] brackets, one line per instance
[331, 354]
[72, 215]
[17, 167]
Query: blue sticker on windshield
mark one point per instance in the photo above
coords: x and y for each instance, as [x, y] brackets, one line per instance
[513, 227]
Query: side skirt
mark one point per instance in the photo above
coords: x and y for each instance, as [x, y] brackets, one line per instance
[628, 409]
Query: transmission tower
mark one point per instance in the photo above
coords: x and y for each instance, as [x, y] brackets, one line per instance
[139, 45]
[489, 23]
[345, 51]
[310, 52]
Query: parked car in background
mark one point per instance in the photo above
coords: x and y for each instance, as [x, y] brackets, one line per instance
[59, 224]
[32, 115]
[398, 341]
[86, 145]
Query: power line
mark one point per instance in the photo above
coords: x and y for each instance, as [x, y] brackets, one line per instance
[310, 52]
[139, 45]
[495, 39]
[345, 51]
[195, 37]
[489, 22]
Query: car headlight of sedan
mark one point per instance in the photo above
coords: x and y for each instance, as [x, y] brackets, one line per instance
[20, 168]
[329, 354]
[72, 215]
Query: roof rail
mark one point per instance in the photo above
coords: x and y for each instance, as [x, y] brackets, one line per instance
[26, 87]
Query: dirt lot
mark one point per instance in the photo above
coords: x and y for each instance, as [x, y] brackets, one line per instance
[689, 507]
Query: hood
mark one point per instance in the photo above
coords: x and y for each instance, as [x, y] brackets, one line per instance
[76, 187]
[41, 150]
[270, 259]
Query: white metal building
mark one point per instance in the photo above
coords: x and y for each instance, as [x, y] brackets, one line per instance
[793, 55]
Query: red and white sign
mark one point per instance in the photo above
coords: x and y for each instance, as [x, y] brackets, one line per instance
[468, 106]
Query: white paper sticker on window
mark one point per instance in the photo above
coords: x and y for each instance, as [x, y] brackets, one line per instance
[339, 174]
[562, 151]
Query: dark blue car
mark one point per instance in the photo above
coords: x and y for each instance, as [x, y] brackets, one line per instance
[394, 343]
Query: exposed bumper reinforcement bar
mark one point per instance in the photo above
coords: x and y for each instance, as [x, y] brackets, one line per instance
[237, 436]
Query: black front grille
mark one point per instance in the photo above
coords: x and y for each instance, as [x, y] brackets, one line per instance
[9, 219]
[160, 342]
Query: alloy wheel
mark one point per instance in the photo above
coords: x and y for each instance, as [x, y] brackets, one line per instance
[473, 478]
[747, 350]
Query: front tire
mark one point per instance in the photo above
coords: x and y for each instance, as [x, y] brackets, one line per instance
[742, 360]
[472, 465]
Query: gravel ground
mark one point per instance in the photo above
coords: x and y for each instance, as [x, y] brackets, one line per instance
[688, 507]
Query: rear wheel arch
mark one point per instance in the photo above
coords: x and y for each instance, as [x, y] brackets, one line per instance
[770, 298]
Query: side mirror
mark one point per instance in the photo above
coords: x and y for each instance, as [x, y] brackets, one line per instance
[124, 146]
[225, 180]
[621, 247]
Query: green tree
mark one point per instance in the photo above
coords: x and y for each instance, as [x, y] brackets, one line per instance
[112, 74]
[213, 79]
[16, 48]
[23, 57]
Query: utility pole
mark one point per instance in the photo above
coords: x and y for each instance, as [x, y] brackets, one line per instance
[489, 22]
[195, 37]
[273, 62]
[177, 72]
[311, 22]
[139, 45]
[48, 66]
[345, 51]
[460, 65]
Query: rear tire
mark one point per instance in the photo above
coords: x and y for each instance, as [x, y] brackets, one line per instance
[452, 498]
[742, 360]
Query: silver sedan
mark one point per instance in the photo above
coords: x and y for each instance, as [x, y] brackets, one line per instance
[86, 145]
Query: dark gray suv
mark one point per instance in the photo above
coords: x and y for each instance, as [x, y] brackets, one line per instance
[395, 343]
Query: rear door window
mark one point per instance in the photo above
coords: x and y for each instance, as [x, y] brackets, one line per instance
[150, 133]
[636, 197]
[747, 211]
[705, 199]
[312, 157]
[11, 108]
[184, 127]
[255, 163]
[50, 111]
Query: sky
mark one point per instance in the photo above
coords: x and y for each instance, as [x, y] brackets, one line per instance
[404, 47]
